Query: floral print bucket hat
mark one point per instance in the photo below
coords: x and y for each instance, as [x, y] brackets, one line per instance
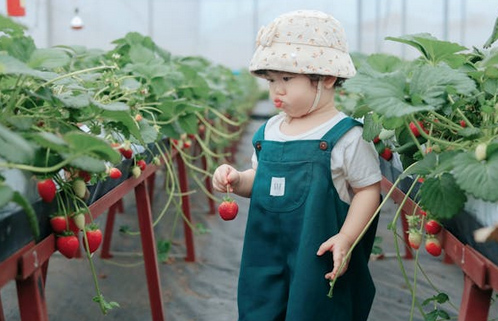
[303, 42]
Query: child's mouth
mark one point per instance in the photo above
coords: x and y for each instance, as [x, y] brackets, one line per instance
[277, 102]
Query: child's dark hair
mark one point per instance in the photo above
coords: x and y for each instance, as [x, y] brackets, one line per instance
[312, 77]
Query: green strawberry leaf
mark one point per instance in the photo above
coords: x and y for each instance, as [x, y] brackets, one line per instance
[385, 94]
[422, 167]
[14, 147]
[442, 196]
[433, 49]
[371, 128]
[20, 200]
[431, 84]
[92, 145]
[48, 58]
[6, 194]
[480, 179]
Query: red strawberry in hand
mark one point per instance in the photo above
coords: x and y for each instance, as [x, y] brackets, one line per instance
[228, 209]
[94, 237]
[68, 245]
[47, 190]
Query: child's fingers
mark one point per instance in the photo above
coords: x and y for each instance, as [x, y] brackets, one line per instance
[325, 247]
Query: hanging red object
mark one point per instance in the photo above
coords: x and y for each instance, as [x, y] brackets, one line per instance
[16, 8]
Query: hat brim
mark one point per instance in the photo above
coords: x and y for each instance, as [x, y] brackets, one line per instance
[302, 59]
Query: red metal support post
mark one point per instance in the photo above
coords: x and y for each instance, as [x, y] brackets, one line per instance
[209, 187]
[189, 237]
[105, 253]
[149, 251]
[475, 302]
[31, 297]
[2, 316]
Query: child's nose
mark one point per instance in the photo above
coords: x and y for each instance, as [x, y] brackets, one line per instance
[279, 88]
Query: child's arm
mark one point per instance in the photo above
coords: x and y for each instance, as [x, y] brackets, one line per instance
[363, 205]
[240, 182]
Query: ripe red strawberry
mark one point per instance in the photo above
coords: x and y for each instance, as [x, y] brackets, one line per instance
[58, 223]
[85, 176]
[114, 173]
[142, 164]
[126, 152]
[376, 140]
[72, 227]
[94, 237]
[414, 239]
[47, 190]
[414, 128]
[432, 227]
[68, 245]
[79, 187]
[187, 143]
[228, 209]
[463, 123]
[387, 154]
[433, 246]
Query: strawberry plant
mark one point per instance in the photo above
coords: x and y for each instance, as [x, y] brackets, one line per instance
[424, 103]
[71, 117]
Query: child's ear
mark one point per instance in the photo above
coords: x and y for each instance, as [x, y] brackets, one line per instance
[329, 81]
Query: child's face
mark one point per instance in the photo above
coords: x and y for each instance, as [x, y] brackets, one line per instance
[292, 93]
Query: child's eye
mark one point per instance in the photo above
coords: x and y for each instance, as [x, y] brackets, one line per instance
[287, 78]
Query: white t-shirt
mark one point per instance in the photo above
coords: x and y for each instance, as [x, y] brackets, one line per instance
[354, 161]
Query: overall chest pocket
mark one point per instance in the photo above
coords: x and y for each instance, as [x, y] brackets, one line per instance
[282, 187]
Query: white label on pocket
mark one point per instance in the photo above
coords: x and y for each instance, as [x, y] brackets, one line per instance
[277, 186]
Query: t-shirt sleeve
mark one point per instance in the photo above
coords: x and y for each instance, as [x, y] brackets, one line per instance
[361, 160]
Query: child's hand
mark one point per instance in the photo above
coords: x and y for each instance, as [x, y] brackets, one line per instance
[223, 176]
[339, 245]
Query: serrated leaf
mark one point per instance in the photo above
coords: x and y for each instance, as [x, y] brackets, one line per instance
[10, 65]
[14, 147]
[51, 141]
[385, 94]
[80, 141]
[431, 83]
[189, 123]
[442, 196]
[470, 132]
[384, 63]
[48, 58]
[77, 102]
[148, 133]
[433, 49]
[423, 167]
[371, 128]
[140, 54]
[114, 106]
[30, 213]
[124, 118]
[478, 178]
[6, 194]
[87, 163]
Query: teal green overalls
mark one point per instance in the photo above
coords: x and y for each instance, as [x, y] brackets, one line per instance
[294, 209]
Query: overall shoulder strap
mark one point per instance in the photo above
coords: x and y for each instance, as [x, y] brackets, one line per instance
[258, 137]
[336, 132]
